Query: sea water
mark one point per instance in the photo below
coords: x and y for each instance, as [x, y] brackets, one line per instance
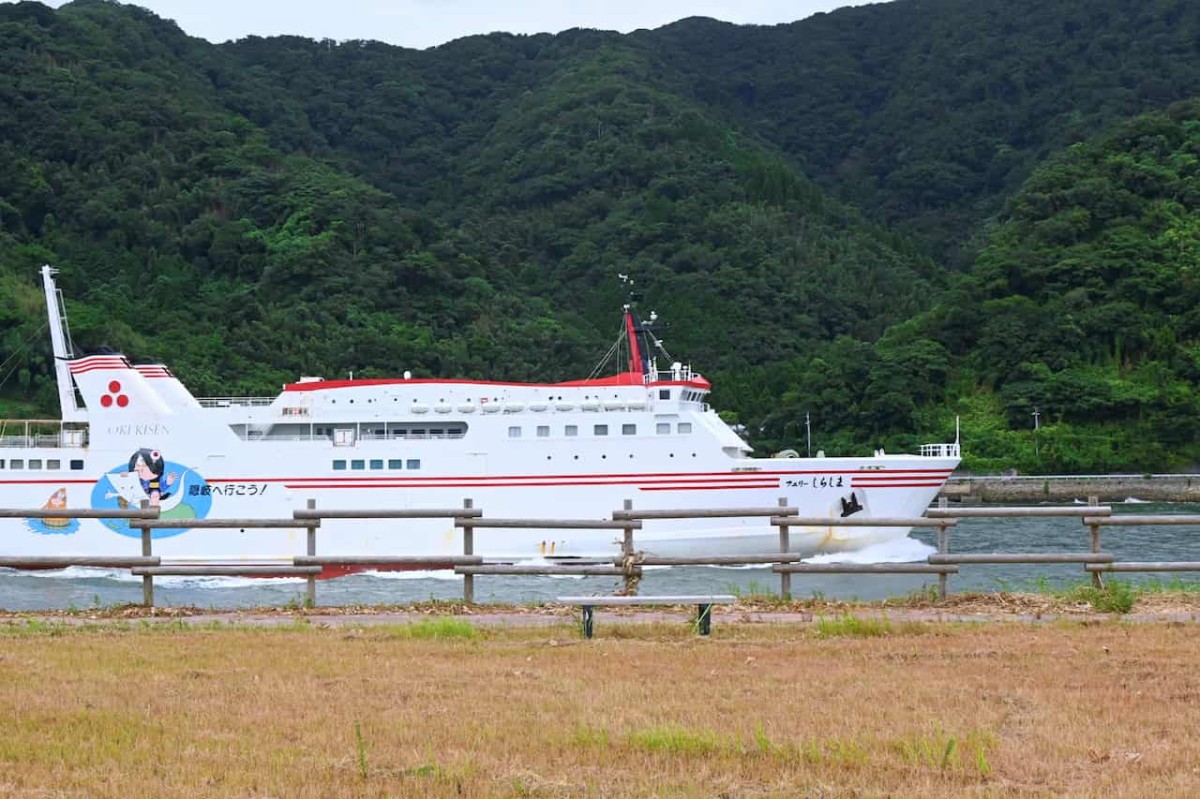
[81, 588]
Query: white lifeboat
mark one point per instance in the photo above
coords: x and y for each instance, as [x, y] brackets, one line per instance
[419, 407]
[614, 404]
[466, 407]
[564, 406]
[637, 404]
[538, 407]
[442, 407]
[514, 407]
[590, 405]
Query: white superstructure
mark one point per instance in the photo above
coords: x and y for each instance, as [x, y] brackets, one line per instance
[555, 450]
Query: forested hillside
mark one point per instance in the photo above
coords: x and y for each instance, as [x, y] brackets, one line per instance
[883, 217]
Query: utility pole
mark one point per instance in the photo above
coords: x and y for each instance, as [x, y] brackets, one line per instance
[1037, 415]
[808, 432]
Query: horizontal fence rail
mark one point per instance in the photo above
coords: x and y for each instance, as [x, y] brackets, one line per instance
[784, 519]
[943, 512]
[77, 513]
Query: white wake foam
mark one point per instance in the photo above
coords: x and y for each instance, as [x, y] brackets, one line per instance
[899, 550]
[413, 574]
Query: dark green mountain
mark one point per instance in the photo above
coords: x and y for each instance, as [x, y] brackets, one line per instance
[875, 216]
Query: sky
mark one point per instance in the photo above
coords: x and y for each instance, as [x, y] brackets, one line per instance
[427, 23]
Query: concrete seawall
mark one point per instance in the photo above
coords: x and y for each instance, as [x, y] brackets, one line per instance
[1067, 489]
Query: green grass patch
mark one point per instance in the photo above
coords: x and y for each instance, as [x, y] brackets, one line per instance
[674, 739]
[435, 629]
[850, 626]
[1114, 597]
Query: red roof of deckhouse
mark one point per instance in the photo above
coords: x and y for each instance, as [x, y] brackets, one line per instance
[623, 379]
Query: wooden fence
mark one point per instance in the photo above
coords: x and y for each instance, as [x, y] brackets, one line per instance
[628, 565]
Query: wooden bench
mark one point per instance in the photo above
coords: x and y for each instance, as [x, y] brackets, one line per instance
[703, 603]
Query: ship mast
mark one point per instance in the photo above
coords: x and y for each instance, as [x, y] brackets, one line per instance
[635, 357]
[60, 340]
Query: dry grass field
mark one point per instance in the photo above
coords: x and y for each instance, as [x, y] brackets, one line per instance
[841, 706]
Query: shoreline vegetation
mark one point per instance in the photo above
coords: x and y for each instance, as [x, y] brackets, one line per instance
[864, 225]
[445, 699]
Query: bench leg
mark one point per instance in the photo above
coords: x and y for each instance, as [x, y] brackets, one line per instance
[704, 619]
[587, 621]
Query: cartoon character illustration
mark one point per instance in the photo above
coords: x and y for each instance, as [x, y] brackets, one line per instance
[149, 467]
[145, 480]
[57, 501]
[54, 525]
[177, 490]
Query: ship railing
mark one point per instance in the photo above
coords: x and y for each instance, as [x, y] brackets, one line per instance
[257, 437]
[235, 402]
[631, 561]
[43, 433]
[394, 435]
[681, 375]
[950, 450]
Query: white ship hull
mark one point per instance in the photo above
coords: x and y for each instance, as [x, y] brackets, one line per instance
[575, 450]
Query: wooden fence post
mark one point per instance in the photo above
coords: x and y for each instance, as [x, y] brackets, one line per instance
[1097, 577]
[943, 548]
[627, 554]
[468, 549]
[147, 580]
[785, 579]
[310, 597]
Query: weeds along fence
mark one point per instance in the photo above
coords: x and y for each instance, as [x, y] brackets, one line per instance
[627, 565]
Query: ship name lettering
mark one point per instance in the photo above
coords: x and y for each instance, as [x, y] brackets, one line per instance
[139, 430]
[829, 481]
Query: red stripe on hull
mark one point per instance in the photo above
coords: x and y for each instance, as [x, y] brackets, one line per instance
[535, 484]
[707, 488]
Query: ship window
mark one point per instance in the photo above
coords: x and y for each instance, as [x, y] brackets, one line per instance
[358, 464]
[339, 466]
[685, 427]
[54, 465]
[36, 463]
[600, 429]
[663, 428]
[570, 431]
[514, 432]
[395, 463]
[16, 463]
[664, 393]
[1, 463]
[75, 465]
[629, 429]
[413, 463]
[543, 431]
[376, 463]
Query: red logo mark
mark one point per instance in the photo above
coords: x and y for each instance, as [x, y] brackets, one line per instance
[114, 389]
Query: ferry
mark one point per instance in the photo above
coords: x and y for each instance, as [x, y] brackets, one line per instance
[133, 435]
